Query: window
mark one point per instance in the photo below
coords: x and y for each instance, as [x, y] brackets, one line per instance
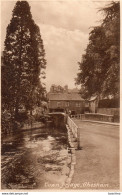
[67, 104]
[58, 104]
[78, 104]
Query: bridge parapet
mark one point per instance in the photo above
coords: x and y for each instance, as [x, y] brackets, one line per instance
[74, 130]
[73, 127]
[78, 116]
[58, 119]
[94, 116]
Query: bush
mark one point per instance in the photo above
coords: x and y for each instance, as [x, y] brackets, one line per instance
[21, 117]
[109, 103]
[6, 122]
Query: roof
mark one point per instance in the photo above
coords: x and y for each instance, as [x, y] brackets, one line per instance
[65, 96]
[74, 90]
[92, 98]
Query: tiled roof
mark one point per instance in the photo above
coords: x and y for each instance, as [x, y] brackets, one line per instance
[65, 96]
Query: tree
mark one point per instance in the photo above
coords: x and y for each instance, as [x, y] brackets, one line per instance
[99, 68]
[111, 24]
[24, 60]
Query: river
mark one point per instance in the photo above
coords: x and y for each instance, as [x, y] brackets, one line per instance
[35, 159]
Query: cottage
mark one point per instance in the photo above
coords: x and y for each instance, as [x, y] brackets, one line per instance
[66, 102]
[93, 104]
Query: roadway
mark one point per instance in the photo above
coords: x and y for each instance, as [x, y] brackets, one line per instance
[97, 165]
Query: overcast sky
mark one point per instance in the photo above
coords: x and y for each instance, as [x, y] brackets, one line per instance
[65, 27]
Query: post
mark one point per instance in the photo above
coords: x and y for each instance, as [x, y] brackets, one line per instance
[78, 139]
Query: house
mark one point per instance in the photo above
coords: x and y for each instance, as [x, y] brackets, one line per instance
[93, 104]
[86, 106]
[65, 102]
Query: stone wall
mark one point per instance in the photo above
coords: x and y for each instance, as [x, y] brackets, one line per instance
[99, 117]
[110, 111]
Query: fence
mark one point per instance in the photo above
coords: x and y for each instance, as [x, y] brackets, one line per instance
[73, 127]
[94, 116]
[78, 116]
[75, 131]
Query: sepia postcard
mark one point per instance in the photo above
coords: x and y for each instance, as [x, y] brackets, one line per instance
[60, 96]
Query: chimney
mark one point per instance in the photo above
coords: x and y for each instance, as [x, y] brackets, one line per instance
[66, 88]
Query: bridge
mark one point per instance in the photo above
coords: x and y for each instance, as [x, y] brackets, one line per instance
[97, 161]
[58, 119]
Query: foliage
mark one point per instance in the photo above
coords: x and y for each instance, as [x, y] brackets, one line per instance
[58, 89]
[24, 60]
[109, 103]
[99, 68]
[6, 122]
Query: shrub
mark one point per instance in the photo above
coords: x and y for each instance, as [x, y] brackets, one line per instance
[109, 103]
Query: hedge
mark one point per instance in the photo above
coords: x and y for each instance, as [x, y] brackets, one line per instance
[109, 103]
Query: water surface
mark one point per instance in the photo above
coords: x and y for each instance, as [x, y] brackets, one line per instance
[30, 159]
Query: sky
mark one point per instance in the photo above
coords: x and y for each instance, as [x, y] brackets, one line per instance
[64, 27]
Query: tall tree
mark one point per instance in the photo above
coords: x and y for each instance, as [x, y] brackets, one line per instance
[24, 59]
[99, 68]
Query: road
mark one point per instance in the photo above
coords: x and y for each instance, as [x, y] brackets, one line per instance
[97, 164]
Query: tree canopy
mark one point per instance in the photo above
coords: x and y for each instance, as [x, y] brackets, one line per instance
[99, 68]
[23, 61]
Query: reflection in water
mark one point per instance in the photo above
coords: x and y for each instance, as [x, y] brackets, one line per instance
[34, 157]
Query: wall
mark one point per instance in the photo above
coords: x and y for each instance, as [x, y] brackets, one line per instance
[59, 121]
[99, 117]
[93, 106]
[110, 111]
[72, 105]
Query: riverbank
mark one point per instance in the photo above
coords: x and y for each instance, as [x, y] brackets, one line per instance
[33, 126]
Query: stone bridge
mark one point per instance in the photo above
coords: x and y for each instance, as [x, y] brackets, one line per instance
[58, 119]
